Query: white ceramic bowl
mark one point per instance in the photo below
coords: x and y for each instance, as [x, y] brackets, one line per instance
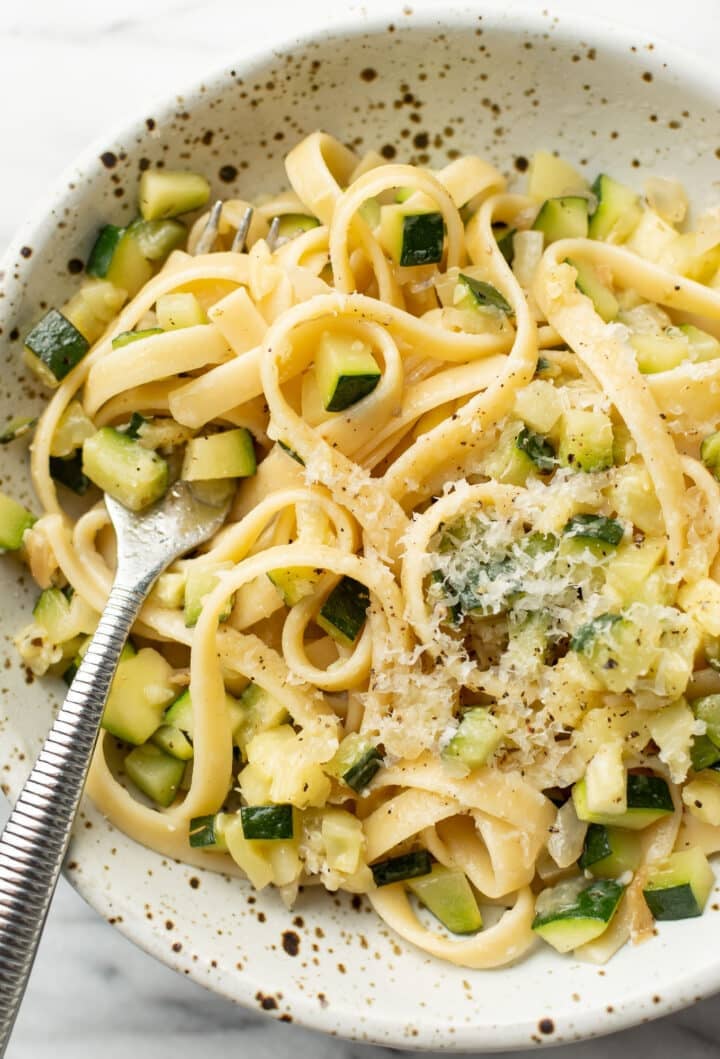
[500, 86]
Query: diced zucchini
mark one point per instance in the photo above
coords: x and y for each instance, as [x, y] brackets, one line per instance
[397, 869]
[132, 430]
[229, 454]
[356, 761]
[93, 306]
[617, 211]
[507, 462]
[126, 337]
[173, 742]
[257, 711]
[179, 716]
[701, 796]
[119, 465]
[267, 822]
[344, 840]
[168, 193]
[574, 912]
[291, 453]
[345, 371]
[586, 441]
[539, 405]
[208, 832]
[595, 529]
[504, 236]
[476, 740]
[610, 851]
[648, 800]
[550, 177]
[175, 311]
[54, 346]
[411, 238]
[589, 283]
[199, 583]
[343, 613]
[710, 453]
[448, 895]
[139, 694]
[157, 239]
[16, 428]
[586, 636]
[471, 293]
[538, 449]
[702, 346]
[631, 566]
[605, 782]
[703, 753]
[660, 352]
[295, 582]
[73, 428]
[155, 773]
[64, 619]
[68, 470]
[563, 218]
[129, 269]
[103, 250]
[14, 520]
[292, 224]
[679, 886]
[707, 709]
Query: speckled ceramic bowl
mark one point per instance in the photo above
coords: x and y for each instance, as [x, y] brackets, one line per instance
[423, 90]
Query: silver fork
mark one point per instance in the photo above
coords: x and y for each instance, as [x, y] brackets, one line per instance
[36, 837]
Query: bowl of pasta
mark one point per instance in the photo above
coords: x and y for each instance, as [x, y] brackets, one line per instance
[440, 702]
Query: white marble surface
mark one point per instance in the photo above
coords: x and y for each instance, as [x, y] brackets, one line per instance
[68, 71]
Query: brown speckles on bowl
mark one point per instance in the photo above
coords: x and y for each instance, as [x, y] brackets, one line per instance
[546, 1026]
[291, 942]
[109, 159]
[228, 173]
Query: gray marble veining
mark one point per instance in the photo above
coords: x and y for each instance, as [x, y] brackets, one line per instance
[64, 80]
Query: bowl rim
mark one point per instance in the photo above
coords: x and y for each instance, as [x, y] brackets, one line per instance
[693, 71]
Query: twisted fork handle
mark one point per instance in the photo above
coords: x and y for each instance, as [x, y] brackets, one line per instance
[36, 836]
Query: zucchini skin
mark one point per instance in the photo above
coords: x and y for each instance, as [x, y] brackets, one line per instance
[267, 822]
[69, 472]
[359, 775]
[344, 612]
[422, 239]
[396, 869]
[57, 343]
[595, 528]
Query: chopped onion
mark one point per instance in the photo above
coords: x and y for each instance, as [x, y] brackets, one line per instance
[667, 198]
[568, 836]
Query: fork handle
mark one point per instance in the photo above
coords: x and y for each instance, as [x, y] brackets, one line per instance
[36, 836]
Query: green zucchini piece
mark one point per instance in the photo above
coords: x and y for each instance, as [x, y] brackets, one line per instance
[17, 428]
[476, 294]
[119, 465]
[345, 371]
[595, 528]
[199, 583]
[175, 311]
[229, 454]
[126, 337]
[476, 740]
[68, 470]
[174, 742]
[179, 715]
[538, 449]
[710, 453]
[412, 238]
[397, 869]
[504, 236]
[679, 887]
[356, 761]
[586, 636]
[343, 613]
[56, 345]
[73, 427]
[617, 211]
[648, 800]
[14, 520]
[586, 441]
[256, 711]
[267, 822]
[563, 218]
[129, 269]
[132, 430]
[157, 239]
[703, 753]
[589, 283]
[702, 346]
[360, 775]
[103, 250]
[207, 832]
[610, 851]
[708, 709]
[659, 352]
[63, 618]
[168, 193]
[155, 773]
[448, 895]
[293, 224]
[295, 582]
[574, 912]
[138, 696]
[507, 462]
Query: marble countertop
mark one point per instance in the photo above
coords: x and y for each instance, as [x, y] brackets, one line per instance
[67, 72]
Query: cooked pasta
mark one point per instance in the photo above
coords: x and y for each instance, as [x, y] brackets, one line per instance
[457, 646]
